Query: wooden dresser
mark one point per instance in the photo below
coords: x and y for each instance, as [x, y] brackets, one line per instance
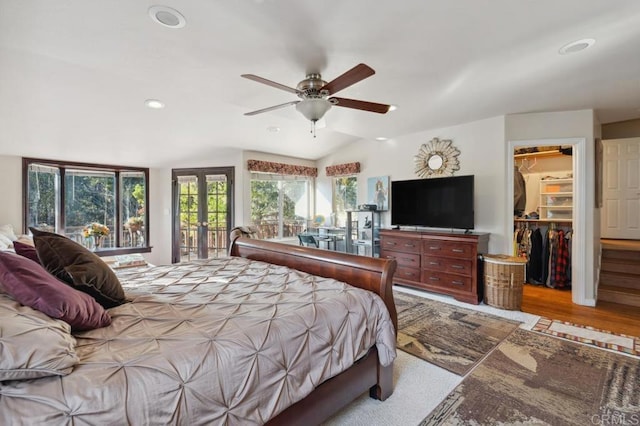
[442, 262]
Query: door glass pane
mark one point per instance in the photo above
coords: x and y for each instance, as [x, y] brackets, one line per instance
[132, 209]
[188, 205]
[43, 200]
[90, 199]
[216, 215]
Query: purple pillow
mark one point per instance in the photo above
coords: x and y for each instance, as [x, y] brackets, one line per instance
[31, 285]
[26, 250]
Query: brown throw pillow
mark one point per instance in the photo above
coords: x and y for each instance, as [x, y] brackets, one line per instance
[78, 267]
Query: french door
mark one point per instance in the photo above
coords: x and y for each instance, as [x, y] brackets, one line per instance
[202, 212]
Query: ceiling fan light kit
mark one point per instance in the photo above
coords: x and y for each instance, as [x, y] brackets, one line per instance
[315, 94]
[313, 109]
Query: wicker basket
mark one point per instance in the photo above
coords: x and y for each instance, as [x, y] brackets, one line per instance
[503, 280]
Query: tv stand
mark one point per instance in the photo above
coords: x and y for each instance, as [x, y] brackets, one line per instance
[441, 262]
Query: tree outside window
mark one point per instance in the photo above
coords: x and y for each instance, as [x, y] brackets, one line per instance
[345, 197]
[67, 197]
[280, 205]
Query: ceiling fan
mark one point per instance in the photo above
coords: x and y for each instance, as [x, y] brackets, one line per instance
[316, 95]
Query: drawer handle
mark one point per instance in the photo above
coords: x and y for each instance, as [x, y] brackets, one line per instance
[434, 279]
[390, 257]
[434, 263]
[409, 274]
[457, 282]
[390, 243]
[457, 266]
[409, 259]
[434, 248]
[409, 245]
[456, 250]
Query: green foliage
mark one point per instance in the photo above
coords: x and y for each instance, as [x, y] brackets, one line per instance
[265, 199]
[216, 204]
[42, 199]
[346, 193]
[89, 199]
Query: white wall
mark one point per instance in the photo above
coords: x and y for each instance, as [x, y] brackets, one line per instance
[11, 191]
[482, 152]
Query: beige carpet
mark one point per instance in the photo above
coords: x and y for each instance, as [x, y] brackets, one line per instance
[535, 379]
[448, 336]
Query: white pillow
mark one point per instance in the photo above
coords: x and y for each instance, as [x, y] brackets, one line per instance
[33, 345]
[5, 242]
[7, 231]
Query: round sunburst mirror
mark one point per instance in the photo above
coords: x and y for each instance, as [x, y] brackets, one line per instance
[437, 158]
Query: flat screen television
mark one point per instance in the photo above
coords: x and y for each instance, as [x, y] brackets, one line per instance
[445, 202]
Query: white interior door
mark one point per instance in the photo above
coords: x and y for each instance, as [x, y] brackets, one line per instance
[621, 189]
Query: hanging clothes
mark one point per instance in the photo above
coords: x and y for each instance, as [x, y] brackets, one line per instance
[519, 192]
[562, 262]
[534, 265]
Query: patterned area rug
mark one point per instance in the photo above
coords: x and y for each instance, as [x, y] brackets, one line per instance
[448, 336]
[589, 335]
[535, 379]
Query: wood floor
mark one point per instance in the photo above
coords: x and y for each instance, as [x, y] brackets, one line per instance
[557, 304]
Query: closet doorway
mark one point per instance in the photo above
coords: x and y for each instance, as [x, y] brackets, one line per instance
[555, 192]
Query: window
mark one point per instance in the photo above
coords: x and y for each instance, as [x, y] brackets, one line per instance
[345, 197]
[280, 205]
[67, 197]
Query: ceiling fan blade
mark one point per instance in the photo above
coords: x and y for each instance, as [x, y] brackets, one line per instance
[363, 105]
[271, 83]
[354, 75]
[271, 108]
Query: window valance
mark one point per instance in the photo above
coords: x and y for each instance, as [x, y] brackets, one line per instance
[281, 168]
[343, 169]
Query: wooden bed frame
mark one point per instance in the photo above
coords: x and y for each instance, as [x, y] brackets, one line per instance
[372, 274]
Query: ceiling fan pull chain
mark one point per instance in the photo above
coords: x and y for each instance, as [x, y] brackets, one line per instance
[313, 129]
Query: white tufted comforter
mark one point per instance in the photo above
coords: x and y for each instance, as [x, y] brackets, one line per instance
[224, 341]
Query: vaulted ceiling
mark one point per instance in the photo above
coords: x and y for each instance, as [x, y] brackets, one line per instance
[75, 74]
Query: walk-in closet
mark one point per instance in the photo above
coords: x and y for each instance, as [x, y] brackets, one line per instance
[543, 214]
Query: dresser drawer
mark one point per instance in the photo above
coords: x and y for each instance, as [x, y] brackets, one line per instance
[407, 273]
[404, 259]
[446, 264]
[446, 281]
[448, 249]
[407, 245]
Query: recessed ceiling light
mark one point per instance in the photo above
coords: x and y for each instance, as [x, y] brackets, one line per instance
[393, 107]
[381, 138]
[576, 46]
[167, 17]
[154, 104]
[273, 129]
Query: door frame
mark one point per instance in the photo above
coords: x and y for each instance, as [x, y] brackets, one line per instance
[578, 252]
[201, 172]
